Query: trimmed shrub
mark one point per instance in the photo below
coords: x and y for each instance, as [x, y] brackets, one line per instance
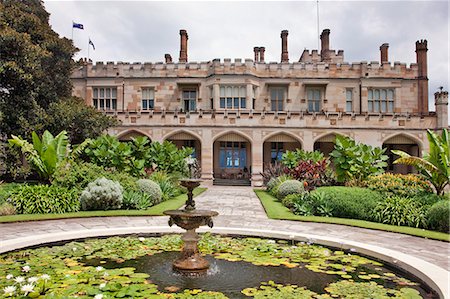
[136, 200]
[291, 199]
[390, 184]
[7, 209]
[439, 216]
[151, 188]
[290, 187]
[400, 211]
[277, 182]
[350, 202]
[78, 175]
[43, 199]
[102, 194]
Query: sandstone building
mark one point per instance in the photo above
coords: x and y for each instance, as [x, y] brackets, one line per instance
[242, 115]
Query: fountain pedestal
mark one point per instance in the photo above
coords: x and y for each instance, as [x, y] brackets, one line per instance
[190, 261]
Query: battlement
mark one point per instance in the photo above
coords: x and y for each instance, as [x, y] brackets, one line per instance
[314, 56]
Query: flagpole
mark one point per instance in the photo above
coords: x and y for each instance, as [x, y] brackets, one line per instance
[89, 38]
[72, 31]
[318, 30]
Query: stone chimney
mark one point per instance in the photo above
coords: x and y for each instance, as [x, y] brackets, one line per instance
[261, 53]
[256, 51]
[422, 76]
[441, 102]
[384, 53]
[325, 45]
[168, 58]
[284, 46]
[183, 46]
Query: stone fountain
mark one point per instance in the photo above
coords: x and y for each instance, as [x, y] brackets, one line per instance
[190, 261]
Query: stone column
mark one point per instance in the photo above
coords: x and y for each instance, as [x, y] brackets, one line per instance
[422, 76]
[216, 96]
[441, 102]
[257, 159]
[284, 46]
[183, 46]
[249, 96]
[207, 156]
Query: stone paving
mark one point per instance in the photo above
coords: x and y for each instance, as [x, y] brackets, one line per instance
[239, 207]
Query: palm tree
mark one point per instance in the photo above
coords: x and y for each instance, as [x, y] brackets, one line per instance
[435, 165]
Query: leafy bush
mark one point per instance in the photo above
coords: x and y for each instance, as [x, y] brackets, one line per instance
[273, 186]
[168, 184]
[312, 204]
[43, 199]
[314, 174]
[350, 202]
[398, 210]
[356, 161]
[136, 200]
[408, 185]
[168, 158]
[290, 159]
[291, 199]
[151, 188]
[102, 194]
[78, 175]
[290, 187]
[439, 216]
[272, 171]
[7, 209]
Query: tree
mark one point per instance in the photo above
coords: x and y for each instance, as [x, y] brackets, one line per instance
[435, 165]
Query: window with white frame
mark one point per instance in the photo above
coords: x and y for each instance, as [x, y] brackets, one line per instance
[349, 100]
[105, 98]
[314, 96]
[277, 97]
[380, 100]
[148, 98]
[233, 97]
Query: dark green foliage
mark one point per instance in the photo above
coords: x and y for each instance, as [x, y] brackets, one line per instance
[290, 187]
[168, 158]
[312, 204]
[351, 202]
[354, 161]
[291, 159]
[439, 216]
[78, 119]
[102, 194]
[136, 200]
[77, 175]
[397, 210]
[44, 199]
[168, 184]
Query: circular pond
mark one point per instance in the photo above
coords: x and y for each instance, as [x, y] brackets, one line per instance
[141, 267]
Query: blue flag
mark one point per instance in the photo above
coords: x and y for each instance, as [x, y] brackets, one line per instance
[92, 44]
[76, 25]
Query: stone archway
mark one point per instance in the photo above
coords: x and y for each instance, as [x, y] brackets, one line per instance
[186, 139]
[276, 145]
[128, 135]
[325, 144]
[404, 143]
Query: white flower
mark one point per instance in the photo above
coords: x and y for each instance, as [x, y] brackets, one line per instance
[271, 241]
[74, 249]
[9, 291]
[27, 288]
[99, 268]
[105, 274]
[142, 239]
[45, 276]
[9, 276]
[102, 285]
[26, 268]
[32, 279]
[19, 279]
[98, 296]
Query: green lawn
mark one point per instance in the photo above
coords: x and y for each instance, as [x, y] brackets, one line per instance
[171, 204]
[276, 210]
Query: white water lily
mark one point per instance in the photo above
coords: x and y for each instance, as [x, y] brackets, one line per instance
[105, 274]
[102, 285]
[19, 279]
[98, 296]
[26, 268]
[271, 241]
[32, 279]
[99, 268]
[27, 288]
[45, 276]
[142, 239]
[9, 276]
[9, 290]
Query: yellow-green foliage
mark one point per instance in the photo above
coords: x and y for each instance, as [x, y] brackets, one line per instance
[408, 185]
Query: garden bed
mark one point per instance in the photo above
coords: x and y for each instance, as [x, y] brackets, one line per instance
[157, 210]
[276, 210]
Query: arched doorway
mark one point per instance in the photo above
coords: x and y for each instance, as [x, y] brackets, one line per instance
[232, 158]
[276, 145]
[130, 134]
[404, 143]
[185, 139]
[325, 144]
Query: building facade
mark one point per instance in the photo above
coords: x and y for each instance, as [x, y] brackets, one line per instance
[241, 115]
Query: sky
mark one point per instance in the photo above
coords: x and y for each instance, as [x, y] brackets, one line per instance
[143, 31]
